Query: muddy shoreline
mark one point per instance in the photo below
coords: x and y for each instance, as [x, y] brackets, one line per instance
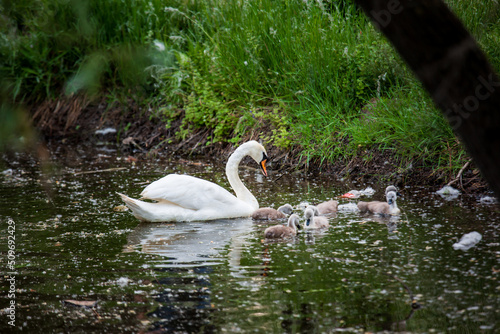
[77, 120]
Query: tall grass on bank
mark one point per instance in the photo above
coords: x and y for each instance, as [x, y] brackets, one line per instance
[53, 48]
[315, 62]
[311, 74]
[319, 66]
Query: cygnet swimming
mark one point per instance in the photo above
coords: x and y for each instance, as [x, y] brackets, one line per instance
[272, 214]
[381, 208]
[313, 221]
[393, 188]
[283, 231]
[327, 207]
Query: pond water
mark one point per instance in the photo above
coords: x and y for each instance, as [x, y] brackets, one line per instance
[364, 274]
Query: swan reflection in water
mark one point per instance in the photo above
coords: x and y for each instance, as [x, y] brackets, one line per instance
[392, 224]
[191, 248]
[192, 243]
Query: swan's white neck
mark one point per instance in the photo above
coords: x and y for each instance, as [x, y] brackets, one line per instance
[312, 224]
[239, 188]
[291, 223]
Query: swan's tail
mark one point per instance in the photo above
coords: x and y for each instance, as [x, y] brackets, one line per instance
[135, 206]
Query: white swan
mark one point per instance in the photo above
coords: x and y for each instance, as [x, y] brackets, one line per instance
[187, 198]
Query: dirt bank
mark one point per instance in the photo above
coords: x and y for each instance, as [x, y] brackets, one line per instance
[139, 135]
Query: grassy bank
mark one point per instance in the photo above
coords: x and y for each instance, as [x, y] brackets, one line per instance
[306, 74]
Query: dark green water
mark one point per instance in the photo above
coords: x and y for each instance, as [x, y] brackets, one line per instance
[362, 275]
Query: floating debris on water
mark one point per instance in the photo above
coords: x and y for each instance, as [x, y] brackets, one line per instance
[368, 191]
[81, 303]
[468, 241]
[123, 281]
[105, 131]
[8, 172]
[120, 208]
[349, 207]
[488, 200]
[448, 192]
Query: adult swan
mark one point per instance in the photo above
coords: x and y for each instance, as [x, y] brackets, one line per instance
[187, 198]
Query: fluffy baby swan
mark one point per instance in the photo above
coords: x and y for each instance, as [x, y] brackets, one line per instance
[313, 208]
[282, 231]
[327, 207]
[313, 221]
[393, 188]
[272, 214]
[381, 208]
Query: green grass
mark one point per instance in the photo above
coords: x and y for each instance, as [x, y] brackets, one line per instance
[49, 46]
[303, 71]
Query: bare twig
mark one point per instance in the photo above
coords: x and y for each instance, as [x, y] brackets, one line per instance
[101, 170]
[459, 175]
[95, 312]
[279, 177]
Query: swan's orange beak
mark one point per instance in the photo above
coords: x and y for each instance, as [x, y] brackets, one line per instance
[263, 166]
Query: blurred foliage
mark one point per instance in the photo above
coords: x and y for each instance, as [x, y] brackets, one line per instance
[53, 46]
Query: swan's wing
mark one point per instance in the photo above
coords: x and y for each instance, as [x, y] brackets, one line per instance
[189, 192]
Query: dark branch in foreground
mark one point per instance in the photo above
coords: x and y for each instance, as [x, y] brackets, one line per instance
[452, 68]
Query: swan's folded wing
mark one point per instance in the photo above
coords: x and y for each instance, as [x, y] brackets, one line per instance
[188, 192]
